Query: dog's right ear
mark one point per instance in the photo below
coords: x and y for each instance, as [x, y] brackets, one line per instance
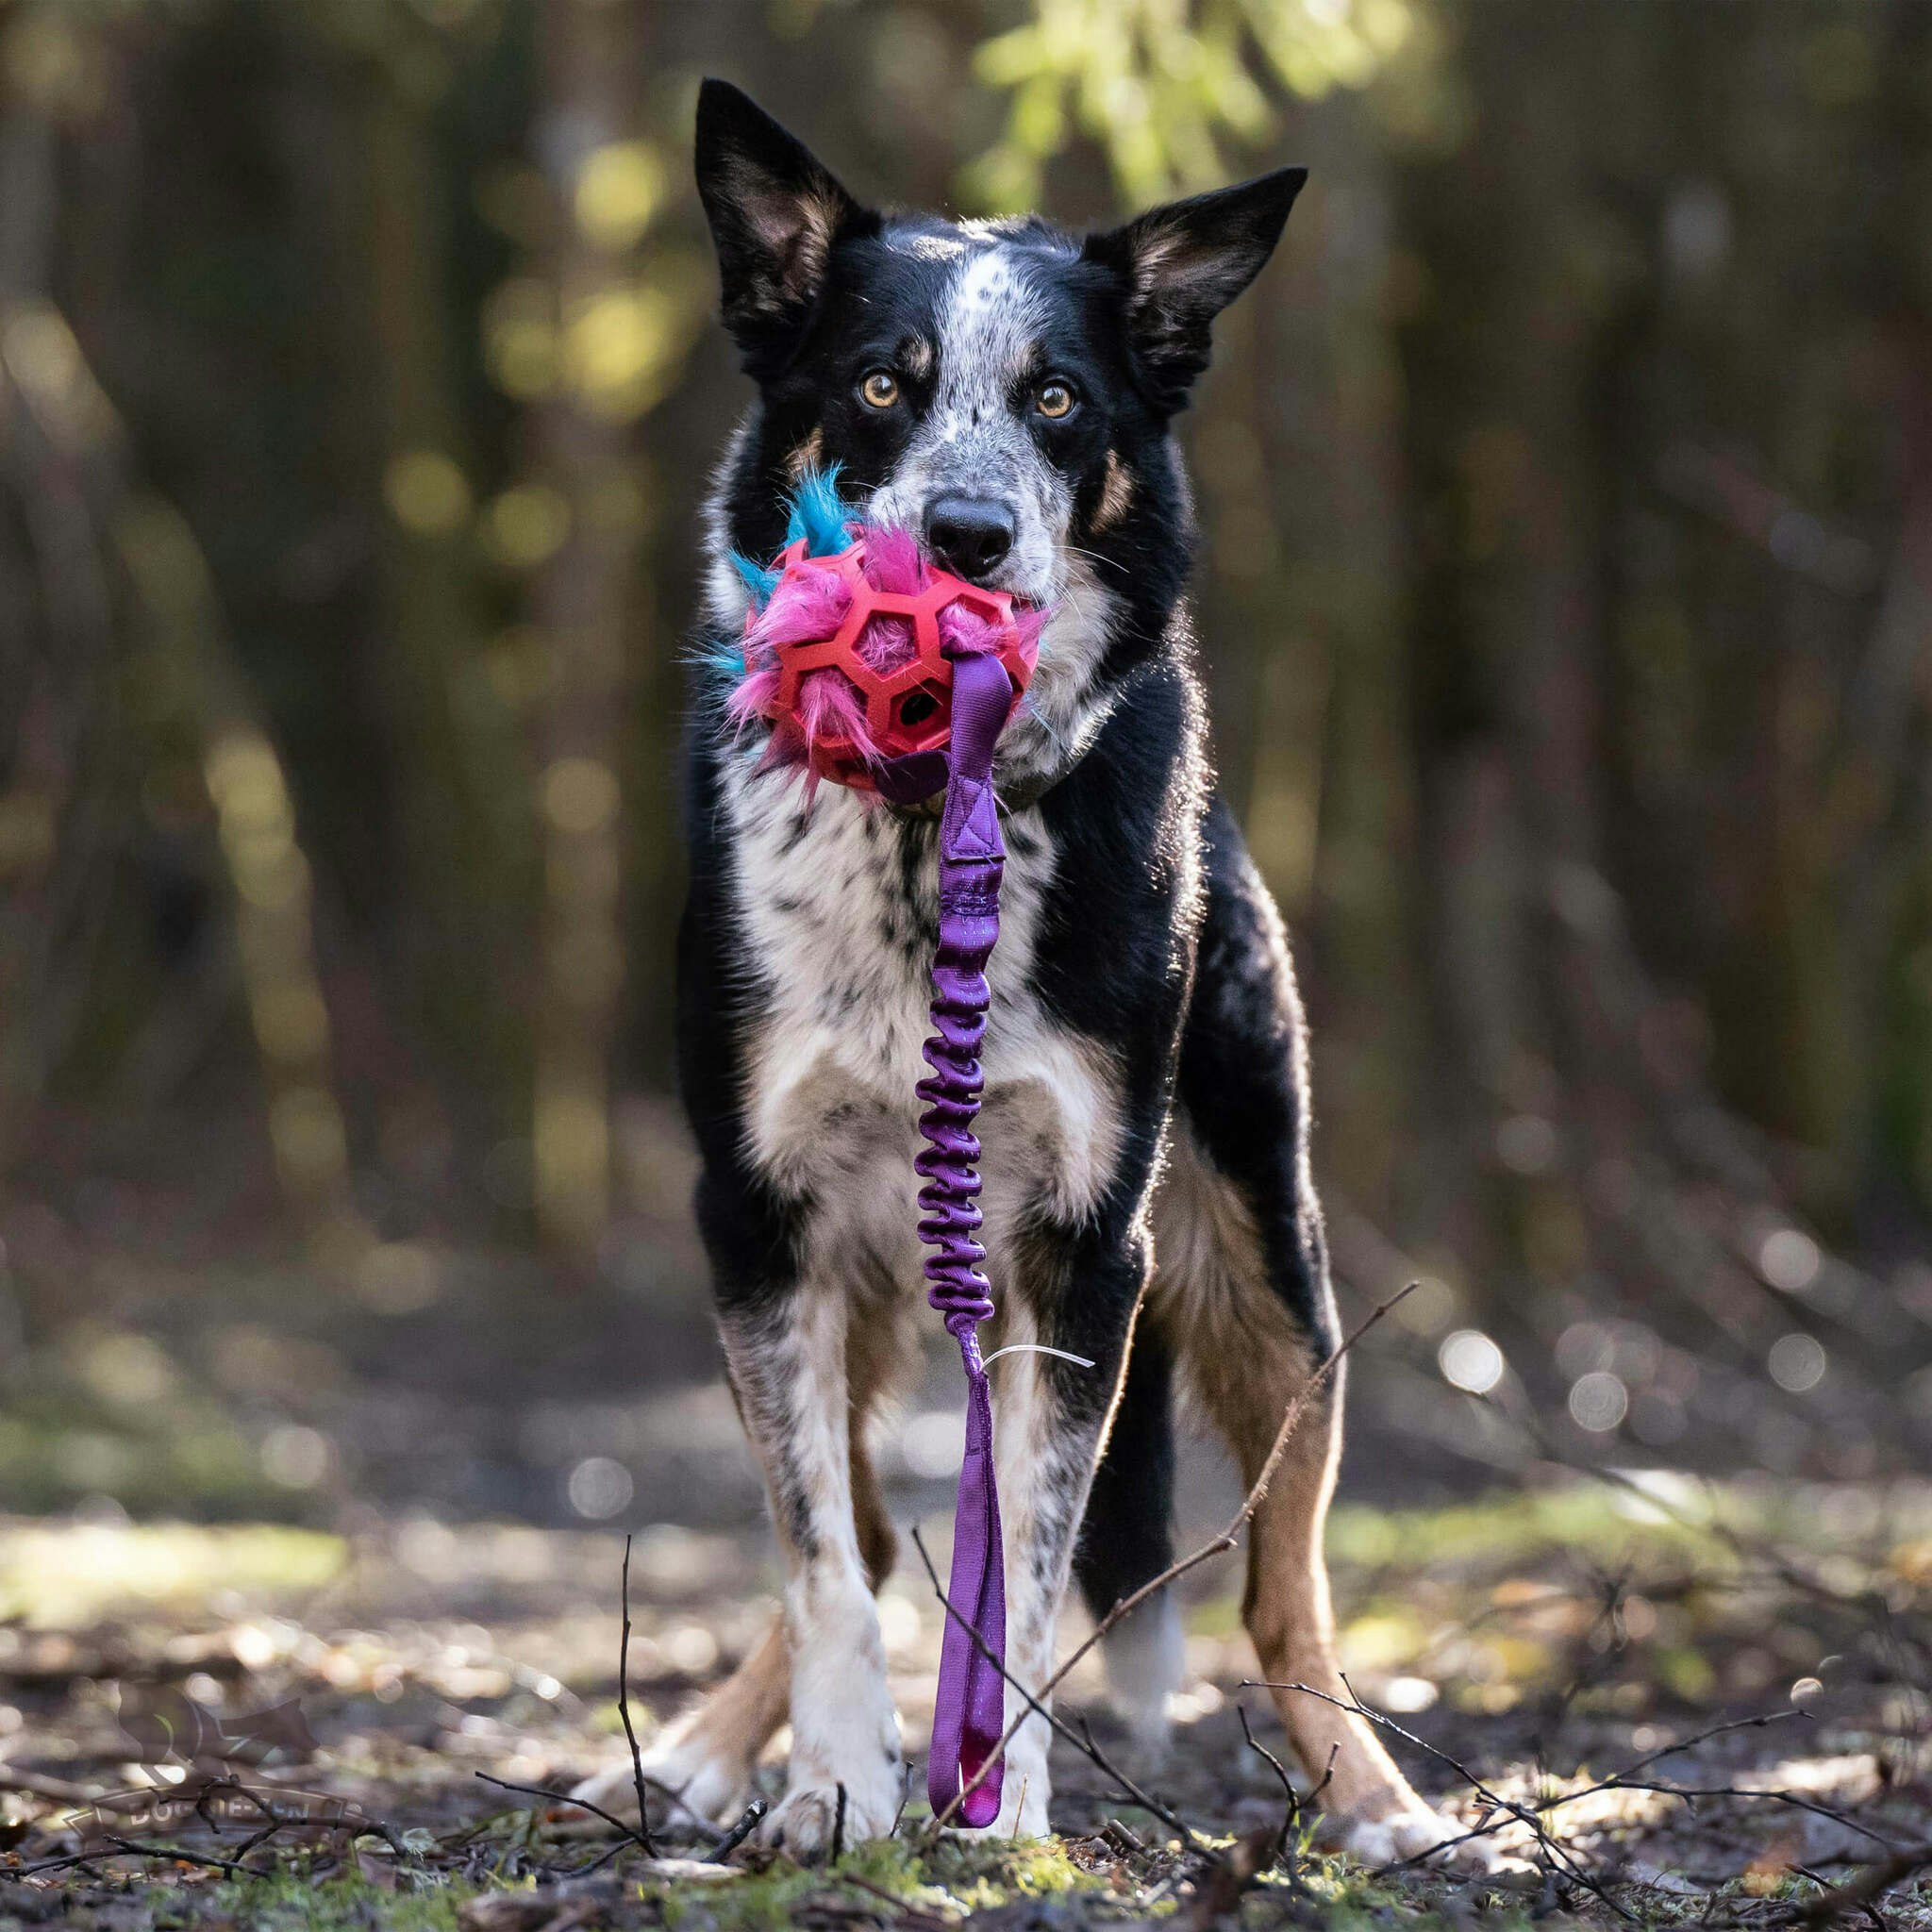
[775, 210]
[1182, 264]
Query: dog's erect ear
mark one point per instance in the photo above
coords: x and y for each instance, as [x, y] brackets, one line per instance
[1184, 263]
[774, 211]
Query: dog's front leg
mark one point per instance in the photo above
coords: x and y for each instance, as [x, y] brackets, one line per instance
[788, 1364]
[1077, 1294]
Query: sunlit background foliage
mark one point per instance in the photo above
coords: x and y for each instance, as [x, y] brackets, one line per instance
[1566, 492]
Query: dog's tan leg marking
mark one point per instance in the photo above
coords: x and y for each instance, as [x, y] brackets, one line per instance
[879, 1348]
[1247, 1359]
[709, 1755]
[878, 1541]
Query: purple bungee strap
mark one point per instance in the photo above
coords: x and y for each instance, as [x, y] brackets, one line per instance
[971, 1711]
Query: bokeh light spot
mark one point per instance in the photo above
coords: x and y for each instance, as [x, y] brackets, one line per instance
[599, 1488]
[529, 525]
[618, 188]
[296, 1457]
[1598, 1402]
[426, 493]
[1527, 1144]
[1788, 1261]
[579, 794]
[1469, 1360]
[1797, 1362]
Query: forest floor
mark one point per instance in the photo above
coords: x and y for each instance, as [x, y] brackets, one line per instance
[1531, 1646]
[350, 1551]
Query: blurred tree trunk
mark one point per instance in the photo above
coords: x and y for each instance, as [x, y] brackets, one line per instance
[59, 788]
[1574, 1124]
[460, 789]
[132, 713]
[1337, 428]
[1297, 455]
[606, 182]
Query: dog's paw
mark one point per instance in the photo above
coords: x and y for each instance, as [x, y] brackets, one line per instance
[1412, 1830]
[708, 1790]
[806, 1824]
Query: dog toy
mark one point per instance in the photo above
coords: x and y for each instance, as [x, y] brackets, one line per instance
[849, 644]
[876, 670]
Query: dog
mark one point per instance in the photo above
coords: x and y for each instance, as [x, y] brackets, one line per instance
[1007, 391]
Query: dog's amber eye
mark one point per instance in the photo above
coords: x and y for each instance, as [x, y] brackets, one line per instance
[880, 389]
[1056, 399]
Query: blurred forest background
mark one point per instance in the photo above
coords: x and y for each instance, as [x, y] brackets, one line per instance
[1566, 590]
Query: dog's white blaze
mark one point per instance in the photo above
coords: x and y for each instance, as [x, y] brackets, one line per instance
[973, 442]
[988, 329]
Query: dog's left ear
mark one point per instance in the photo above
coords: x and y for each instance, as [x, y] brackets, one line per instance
[775, 210]
[1184, 263]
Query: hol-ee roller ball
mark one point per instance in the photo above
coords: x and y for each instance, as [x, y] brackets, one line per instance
[849, 638]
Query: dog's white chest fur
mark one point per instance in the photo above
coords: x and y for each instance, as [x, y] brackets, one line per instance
[837, 929]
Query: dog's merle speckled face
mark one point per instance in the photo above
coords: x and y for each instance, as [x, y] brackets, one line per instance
[1001, 389]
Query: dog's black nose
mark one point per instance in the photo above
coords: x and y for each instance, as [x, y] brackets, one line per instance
[968, 534]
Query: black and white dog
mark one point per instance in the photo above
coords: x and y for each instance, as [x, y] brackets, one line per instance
[1007, 391]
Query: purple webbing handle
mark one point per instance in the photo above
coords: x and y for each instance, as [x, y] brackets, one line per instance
[971, 1713]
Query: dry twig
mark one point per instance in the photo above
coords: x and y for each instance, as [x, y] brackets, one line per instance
[631, 1835]
[748, 1822]
[637, 1758]
[1551, 1847]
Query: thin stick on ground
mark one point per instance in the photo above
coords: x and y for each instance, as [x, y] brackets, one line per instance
[748, 1821]
[1690, 1794]
[122, 1847]
[182, 1856]
[636, 1837]
[1553, 1848]
[1627, 1780]
[1292, 1816]
[907, 1913]
[1704, 1736]
[1227, 1538]
[637, 1757]
[1532, 1816]
[1859, 1893]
